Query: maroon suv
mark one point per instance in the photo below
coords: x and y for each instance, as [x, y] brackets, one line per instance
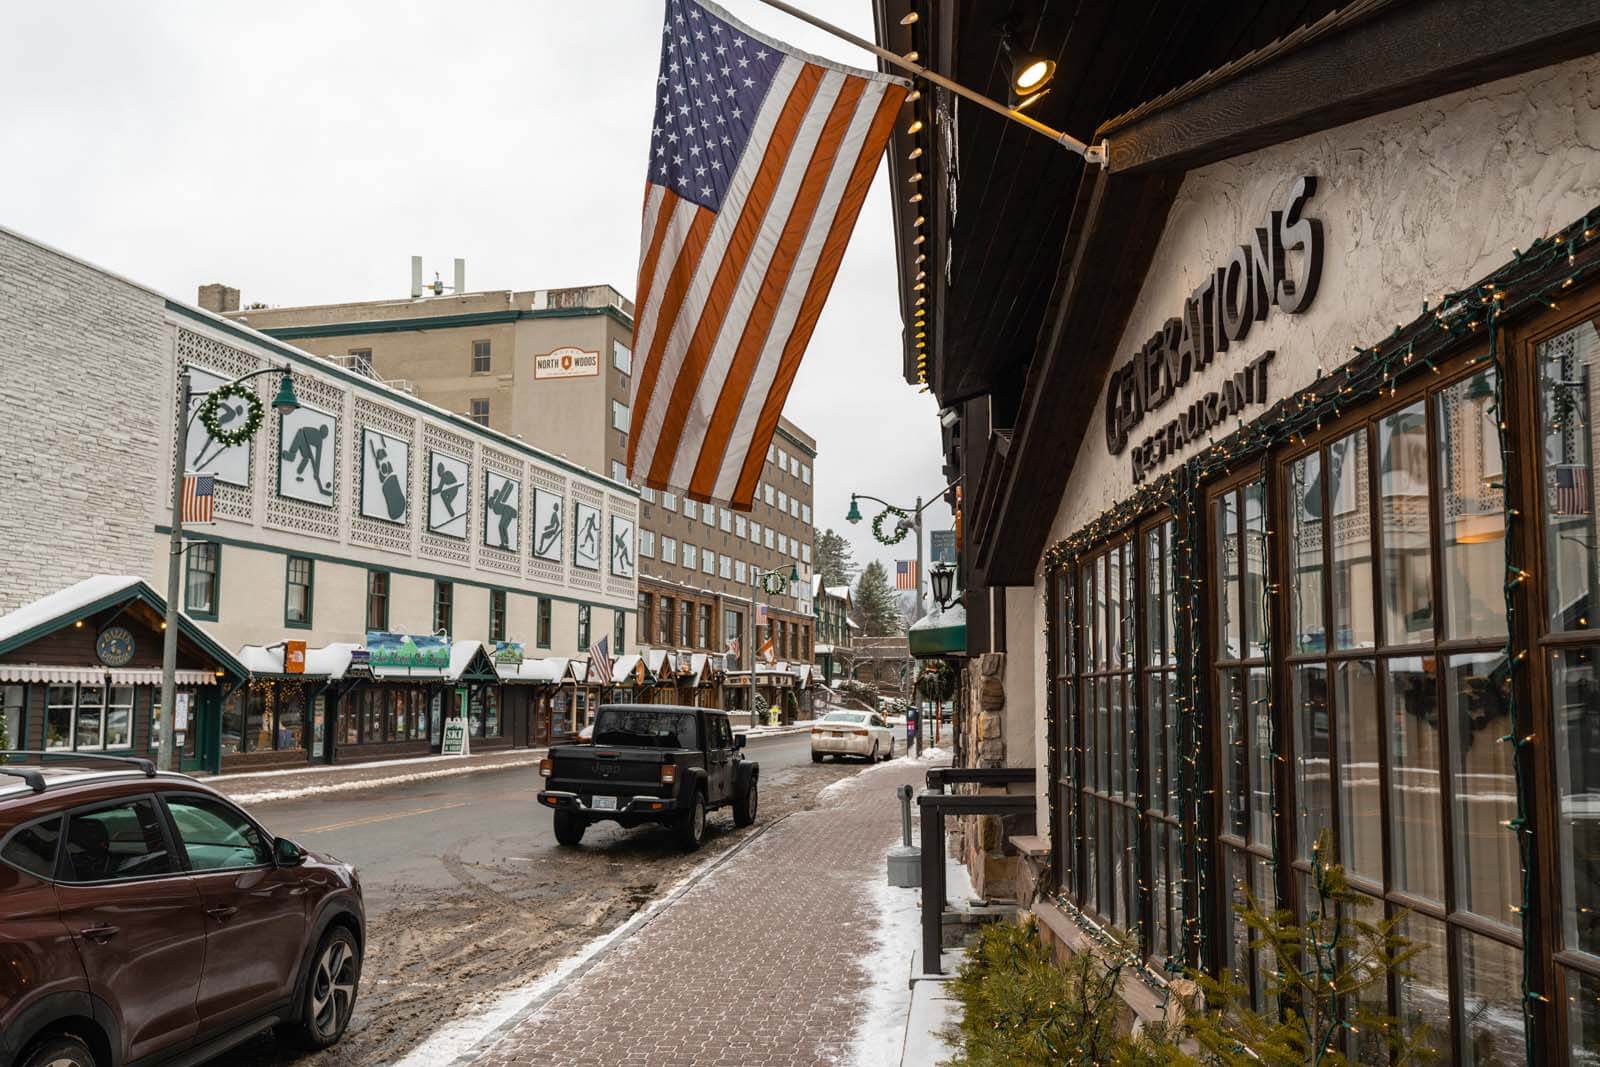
[145, 919]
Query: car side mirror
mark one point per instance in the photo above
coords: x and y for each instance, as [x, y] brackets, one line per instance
[740, 740]
[286, 853]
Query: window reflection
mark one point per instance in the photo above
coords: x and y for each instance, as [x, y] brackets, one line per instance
[1313, 781]
[1352, 542]
[1304, 494]
[1424, 1008]
[1576, 706]
[1360, 832]
[1403, 507]
[1226, 533]
[1491, 1007]
[1566, 385]
[1472, 509]
[1486, 854]
[1416, 812]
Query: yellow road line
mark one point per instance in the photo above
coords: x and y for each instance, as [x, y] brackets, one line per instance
[379, 818]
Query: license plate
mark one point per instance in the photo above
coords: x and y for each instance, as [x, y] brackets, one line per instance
[605, 804]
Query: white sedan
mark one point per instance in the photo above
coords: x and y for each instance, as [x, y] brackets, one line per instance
[852, 733]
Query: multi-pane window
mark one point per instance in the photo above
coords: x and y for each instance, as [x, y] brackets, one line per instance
[297, 592]
[377, 600]
[480, 357]
[1238, 533]
[724, 567]
[732, 626]
[542, 632]
[444, 600]
[708, 562]
[647, 543]
[619, 416]
[686, 622]
[621, 357]
[669, 550]
[497, 614]
[739, 524]
[479, 411]
[202, 578]
[1568, 368]
[1397, 691]
[583, 627]
[646, 624]
[619, 632]
[705, 626]
[727, 521]
[669, 500]
[691, 556]
[11, 721]
[691, 509]
[88, 717]
[738, 571]
[1158, 691]
[668, 607]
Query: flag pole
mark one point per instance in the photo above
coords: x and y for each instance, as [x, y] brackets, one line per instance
[1093, 154]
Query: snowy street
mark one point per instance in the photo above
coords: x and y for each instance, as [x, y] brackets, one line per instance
[469, 895]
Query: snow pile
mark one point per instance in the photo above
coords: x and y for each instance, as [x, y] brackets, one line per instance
[295, 792]
[880, 1036]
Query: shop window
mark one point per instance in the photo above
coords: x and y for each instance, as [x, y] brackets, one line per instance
[297, 592]
[12, 724]
[202, 579]
[619, 632]
[233, 723]
[705, 626]
[349, 719]
[543, 633]
[497, 614]
[667, 608]
[377, 600]
[583, 627]
[444, 608]
[686, 622]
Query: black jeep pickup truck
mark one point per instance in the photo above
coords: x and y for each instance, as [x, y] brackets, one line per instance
[650, 763]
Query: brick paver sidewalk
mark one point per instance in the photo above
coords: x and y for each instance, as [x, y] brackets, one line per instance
[761, 963]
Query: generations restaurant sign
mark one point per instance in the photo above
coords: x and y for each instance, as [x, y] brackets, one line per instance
[1216, 316]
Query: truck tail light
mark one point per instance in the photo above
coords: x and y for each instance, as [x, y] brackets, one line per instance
[669, 774]
[544, 767]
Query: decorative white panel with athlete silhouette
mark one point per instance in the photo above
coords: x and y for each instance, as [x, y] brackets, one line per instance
[586, 537]
[622, 546]
[447, 494]
[307, 441]
[547, 525]
[502, 508]
[385, 474]
[203, 454]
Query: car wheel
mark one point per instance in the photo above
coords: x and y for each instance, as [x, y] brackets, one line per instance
[872, 757]
[816, 757]
[63, 1050]
[330, 994]
[889, 755]
[692, 826]
[569, 828]
[744, 809]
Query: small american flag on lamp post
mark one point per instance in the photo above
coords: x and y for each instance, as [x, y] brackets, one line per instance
[199, 498]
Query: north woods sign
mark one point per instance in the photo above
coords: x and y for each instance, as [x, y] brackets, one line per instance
[1217, 315]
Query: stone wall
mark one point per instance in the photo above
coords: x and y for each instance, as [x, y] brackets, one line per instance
[81, 449]
[982, 839]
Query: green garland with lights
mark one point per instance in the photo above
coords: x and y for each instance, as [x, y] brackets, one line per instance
[1530, 282]
[900, 529]
[211, 408]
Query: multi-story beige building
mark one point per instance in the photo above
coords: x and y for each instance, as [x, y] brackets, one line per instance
[552, 367]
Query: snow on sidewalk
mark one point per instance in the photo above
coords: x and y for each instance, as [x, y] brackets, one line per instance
[784, 932]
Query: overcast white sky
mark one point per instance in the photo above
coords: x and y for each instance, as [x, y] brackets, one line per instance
[305, 153]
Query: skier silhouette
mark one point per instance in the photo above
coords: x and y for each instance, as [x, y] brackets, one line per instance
[621, 554]
[500, 505]
[589, 539]
[307, 447]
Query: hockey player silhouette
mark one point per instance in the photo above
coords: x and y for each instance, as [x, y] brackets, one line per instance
[307, 447]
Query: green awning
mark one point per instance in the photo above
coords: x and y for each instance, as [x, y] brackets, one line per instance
[939, 633]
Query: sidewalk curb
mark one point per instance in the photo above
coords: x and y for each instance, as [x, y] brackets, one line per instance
[611, 940]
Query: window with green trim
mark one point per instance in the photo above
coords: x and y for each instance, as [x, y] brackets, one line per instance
[544, 622]
[444, 608]
[377, 600]
[202, 579]
[497, 614]
[583, 627]
[298, 571]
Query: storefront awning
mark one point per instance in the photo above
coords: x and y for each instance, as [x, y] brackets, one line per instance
[537, 671]
[330, 662]
[939, 633]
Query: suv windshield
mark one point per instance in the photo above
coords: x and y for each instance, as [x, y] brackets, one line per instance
[645, 729]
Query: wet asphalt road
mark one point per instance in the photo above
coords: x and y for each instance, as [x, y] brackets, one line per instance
[398, 836]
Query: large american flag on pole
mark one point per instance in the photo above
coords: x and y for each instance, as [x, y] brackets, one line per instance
[760, 158]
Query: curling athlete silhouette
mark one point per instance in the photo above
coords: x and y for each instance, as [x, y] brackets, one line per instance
[499, 503]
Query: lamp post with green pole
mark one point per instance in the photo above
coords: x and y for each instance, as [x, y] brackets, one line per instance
[769, 582]
[284, 403]
[905, 521]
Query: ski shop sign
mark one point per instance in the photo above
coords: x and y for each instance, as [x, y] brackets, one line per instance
[1216, 316]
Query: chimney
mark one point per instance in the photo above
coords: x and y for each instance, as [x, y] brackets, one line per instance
[461, 276]
[219, 298]
[416, 277]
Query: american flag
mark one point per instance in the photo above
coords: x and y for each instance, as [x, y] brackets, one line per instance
[760, 158]
[199, 498]
[1572, 491]
[905, 574]
[600, 662]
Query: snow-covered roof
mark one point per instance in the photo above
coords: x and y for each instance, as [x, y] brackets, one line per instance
[330, 661]
[532, 670]
[622, 668]
[64, 602]
[658, 661]
[840, 591]
[939, 619]
[852, 624]
[81, 598]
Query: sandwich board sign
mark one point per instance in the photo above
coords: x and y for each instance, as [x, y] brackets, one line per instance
[455, 738]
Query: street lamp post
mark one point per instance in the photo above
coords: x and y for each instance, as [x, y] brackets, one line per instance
[911, 521]
[283, 403]
[771, 583]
